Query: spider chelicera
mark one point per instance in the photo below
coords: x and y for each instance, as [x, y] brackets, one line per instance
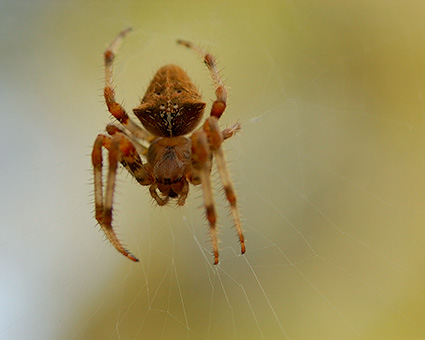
[170, 109]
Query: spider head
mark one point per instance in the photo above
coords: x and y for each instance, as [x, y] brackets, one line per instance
[172, 105]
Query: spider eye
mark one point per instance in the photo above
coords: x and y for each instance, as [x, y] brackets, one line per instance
[158, 93]
[162, 107]
[175, 106]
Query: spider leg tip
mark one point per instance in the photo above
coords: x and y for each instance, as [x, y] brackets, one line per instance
[131, 257]
[183, 42]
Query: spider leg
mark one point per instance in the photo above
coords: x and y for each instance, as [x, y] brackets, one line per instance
[113, 129]
[201, 162]
[219, 105]
[97, 161]
[109, 93]
[216, 138]
[120, 149]
[230, 131]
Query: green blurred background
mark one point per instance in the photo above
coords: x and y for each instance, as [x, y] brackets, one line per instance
[329, 169]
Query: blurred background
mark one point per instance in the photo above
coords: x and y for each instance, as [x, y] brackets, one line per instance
[329, 169]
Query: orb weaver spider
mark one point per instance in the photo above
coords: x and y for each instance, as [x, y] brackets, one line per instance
[170, 109]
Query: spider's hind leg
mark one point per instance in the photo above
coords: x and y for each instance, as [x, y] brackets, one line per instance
[219, 105]
[114, 107]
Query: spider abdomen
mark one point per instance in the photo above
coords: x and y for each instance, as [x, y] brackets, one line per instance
[172, 105]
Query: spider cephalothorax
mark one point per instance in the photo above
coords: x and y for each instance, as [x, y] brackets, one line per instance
[169, 161]
[170, 109]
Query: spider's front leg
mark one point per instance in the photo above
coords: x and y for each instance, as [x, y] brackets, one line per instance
[121, 150]
[215, 138]
[201, 168]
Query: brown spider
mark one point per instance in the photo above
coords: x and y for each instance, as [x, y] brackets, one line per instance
[170, 109]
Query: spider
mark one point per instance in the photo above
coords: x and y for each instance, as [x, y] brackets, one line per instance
[170, 109]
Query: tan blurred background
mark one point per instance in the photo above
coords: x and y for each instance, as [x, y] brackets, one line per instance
[329, 169]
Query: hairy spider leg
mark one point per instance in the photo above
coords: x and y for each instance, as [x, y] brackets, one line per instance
[219, 105]
[215, 137]
[141, 149]
[201, 162]
[231, 130]
[120, 149]
[109, 93]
